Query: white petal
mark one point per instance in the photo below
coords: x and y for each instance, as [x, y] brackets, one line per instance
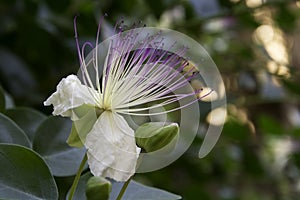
[70, 93]
[112, 151]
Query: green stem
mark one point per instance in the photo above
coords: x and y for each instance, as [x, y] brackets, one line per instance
[123, 189]
[75, 182]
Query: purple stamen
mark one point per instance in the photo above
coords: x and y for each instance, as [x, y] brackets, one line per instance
[76, 39]
[139, 72]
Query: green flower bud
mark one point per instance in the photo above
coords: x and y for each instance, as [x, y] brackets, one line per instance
[156, 135]
[98, 188]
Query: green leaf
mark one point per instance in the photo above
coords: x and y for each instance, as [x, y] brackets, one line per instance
[26, 118]
[16, 74]
[137, 191]
[2, 100]
[50, 142]
[134, 191]
[24, 175]
[10, 132]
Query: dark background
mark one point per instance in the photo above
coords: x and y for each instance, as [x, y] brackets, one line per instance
[254, 43]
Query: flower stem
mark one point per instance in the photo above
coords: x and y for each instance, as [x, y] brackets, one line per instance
[76, 180]
[123, 189]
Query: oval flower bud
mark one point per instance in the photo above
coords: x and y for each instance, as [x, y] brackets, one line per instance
[154, 136]
[98, 188]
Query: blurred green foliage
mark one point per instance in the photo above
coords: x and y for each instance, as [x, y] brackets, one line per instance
[255, 46]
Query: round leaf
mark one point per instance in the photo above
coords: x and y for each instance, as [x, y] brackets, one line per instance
[24, 175]
[26, 118]
[50, 142]
[10, 132]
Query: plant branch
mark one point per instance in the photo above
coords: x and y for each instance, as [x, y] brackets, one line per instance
[77, 177]
[125, 185]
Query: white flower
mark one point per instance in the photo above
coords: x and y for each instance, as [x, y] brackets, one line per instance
[134, 74]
